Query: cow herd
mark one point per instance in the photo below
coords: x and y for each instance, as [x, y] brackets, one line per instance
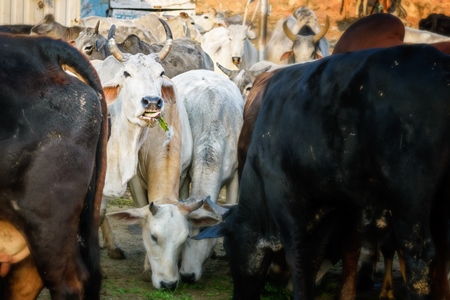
[320, 152]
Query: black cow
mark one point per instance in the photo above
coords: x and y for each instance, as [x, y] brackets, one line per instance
[53, 135]
[16, 29]
[437, 23]
[368, 128]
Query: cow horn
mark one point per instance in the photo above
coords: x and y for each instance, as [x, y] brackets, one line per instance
[168, 45]
[218, 210]
[153, 208]
[227, 72]
[96, 27]
[323, 31]
[288, 32]
[112, 44]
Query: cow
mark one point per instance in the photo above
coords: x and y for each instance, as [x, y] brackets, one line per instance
[183, 25]
[209, 20]
[374, 31]
[53, 135]
[243, 78]
[413, 35]
[437, 23]
[147, 27]
[214, 106]
[186, 54]
[383, 30]
[298, 38]
[49, 27]
[354, 142]
[231, 47]
[16, 29]
[141, 88]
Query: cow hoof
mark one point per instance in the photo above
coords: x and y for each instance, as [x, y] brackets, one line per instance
[116, 253]
[147, 276]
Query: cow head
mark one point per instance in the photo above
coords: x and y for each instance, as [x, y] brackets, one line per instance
[209, 20]
[238, 36]
[243, 78]
[142, 79]
[164, 230]
[92, 44]
[49, 27]
[306, 43]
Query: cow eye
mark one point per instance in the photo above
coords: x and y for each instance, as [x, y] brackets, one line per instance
[162, 73]
[154, 238]
[205, 17]
[126, 74]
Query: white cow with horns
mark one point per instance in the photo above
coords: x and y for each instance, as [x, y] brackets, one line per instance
[231, 47]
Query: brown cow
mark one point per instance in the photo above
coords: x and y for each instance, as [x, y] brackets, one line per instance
[53, 136]
[49, 27]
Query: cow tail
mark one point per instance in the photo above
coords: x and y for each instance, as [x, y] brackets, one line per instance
[64, 54]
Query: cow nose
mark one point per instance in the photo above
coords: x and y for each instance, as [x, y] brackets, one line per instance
[236, 60]
[188, 278]
[149, 102]
[169, 285]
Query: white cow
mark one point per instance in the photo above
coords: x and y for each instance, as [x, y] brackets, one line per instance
[209, 20]
[231, 47]
[414, 36]
[183, 25]
[140, 87]
[298, 38]
[215, 109]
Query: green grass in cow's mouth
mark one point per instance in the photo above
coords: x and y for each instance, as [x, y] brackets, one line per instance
[163, 124]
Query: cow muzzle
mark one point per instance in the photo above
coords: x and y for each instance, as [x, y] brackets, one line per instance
[153, 107]
[236, 60]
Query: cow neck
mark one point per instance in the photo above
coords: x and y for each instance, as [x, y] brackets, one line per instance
[122, 154]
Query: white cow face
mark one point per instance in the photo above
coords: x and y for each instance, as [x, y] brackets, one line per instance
[238, 36]
[139, 83]
[164, 230]
[196, 252]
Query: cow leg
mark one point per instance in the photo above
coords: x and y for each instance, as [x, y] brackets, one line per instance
[114, 252]
[364, 13]
[416, 244]
[439, 229]
[358, 3]
[350, 248]
[22, 282]
[233, 189]
[388, 248]
[138, 193]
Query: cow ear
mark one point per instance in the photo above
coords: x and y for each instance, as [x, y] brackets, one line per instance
[130, 216]
[287, 55]
[168, 91]
[251, 34]
[212, 232]
[111, 93]
[201, 218]
[99, 44]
